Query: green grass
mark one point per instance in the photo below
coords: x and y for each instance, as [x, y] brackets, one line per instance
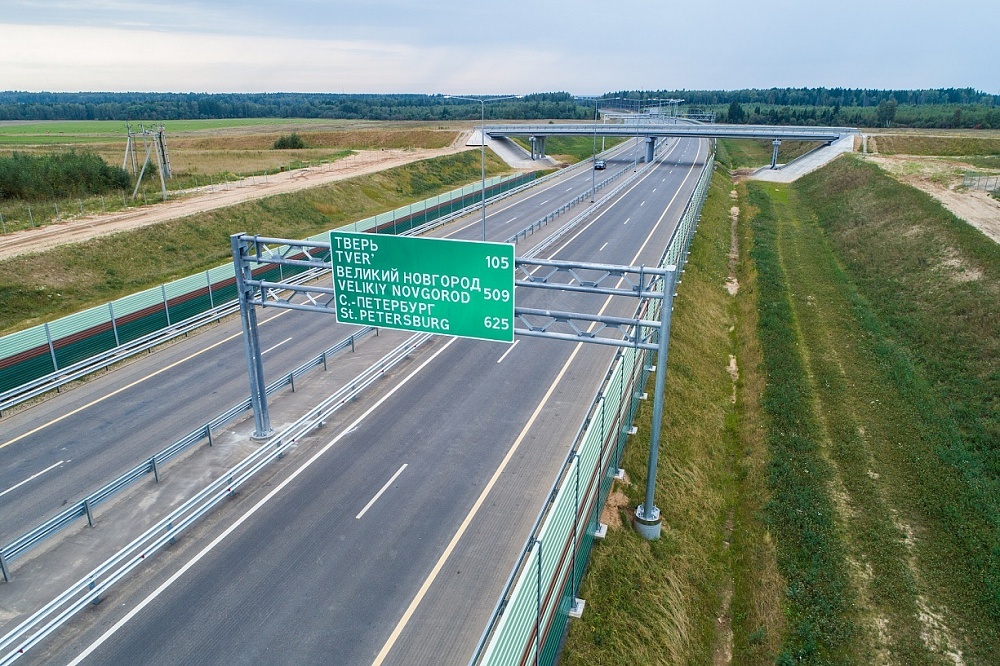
[656, 602]
[747, 153]
[571, 149]
[44, 286]
[887, 309]
[820, 627]
[59, 130]
[942, 146]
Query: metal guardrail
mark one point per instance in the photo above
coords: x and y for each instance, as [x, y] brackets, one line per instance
[154, 463]
[55, 380]
[529, 567]
[86, 506]
[89, 589]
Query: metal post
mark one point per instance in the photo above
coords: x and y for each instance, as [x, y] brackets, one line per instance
[166, 306]
[251, 340]
[647, 515]
[593, 171]
[114, 326]
[156, 472]
[211, 298]
[4, 570]
[774, 156]
[208, 433]
[538, 608]
[52, 347]
[482, 158]
[90, 514]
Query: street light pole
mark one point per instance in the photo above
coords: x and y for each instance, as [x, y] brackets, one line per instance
[482, 141]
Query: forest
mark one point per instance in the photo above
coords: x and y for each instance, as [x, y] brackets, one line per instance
[932, 108]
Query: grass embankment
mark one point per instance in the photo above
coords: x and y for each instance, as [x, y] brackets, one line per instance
[858, 470]
[660, 602]
[939, 146]
[570, 149]
[55, 283]
[751, 153]
[884, 437]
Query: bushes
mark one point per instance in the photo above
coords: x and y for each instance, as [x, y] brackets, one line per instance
[57, 176]
[288, 142]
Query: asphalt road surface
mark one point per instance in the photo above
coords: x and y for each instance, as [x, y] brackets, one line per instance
[391, 541]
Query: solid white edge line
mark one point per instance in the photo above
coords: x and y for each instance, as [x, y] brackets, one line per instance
[219, 539]
[33, 476]
[381, 490]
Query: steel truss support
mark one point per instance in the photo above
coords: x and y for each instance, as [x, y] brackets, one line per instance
[647, 285]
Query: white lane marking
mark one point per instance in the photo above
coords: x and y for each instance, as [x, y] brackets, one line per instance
[603, 246]
[128, 386]
[245, 517]
[569, 189]
[544, 202]
[509, 350]
[539, 193]
[643, 203]
[275, 346]
[32, 477]
[626, 221]
[422, 592]
[654, 189]
[381, 490]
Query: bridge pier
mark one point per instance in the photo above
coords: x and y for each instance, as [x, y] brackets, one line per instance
[537, 147]
[774, 156]
[650, 148]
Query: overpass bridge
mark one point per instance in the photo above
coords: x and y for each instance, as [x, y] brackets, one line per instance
[652, 132]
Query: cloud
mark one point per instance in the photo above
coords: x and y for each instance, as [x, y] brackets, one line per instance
[65, 58]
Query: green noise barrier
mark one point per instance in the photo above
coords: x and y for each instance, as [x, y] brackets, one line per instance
[41, 350]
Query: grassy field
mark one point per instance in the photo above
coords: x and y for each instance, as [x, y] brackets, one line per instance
[40, 287]
[202, 152]
[742, 153]
[943, 146]
[749, 153]
[570, 149]
[843, 505]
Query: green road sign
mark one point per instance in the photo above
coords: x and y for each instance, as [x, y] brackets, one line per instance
[433, 285]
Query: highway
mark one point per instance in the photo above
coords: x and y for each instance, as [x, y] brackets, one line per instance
[66, 447]
[388, 506]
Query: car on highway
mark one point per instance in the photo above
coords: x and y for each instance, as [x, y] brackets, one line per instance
[600, 164]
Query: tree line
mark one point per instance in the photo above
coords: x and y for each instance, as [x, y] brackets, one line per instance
[941, 107]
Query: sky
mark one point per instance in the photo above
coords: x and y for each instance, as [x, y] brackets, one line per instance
[487, 47]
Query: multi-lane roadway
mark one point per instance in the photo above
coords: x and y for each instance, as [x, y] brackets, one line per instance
[390, 539]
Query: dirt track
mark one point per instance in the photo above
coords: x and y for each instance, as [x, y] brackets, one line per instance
[937, 178]
[209, 198]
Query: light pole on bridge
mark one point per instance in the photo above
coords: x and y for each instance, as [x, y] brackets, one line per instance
[482, 139]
